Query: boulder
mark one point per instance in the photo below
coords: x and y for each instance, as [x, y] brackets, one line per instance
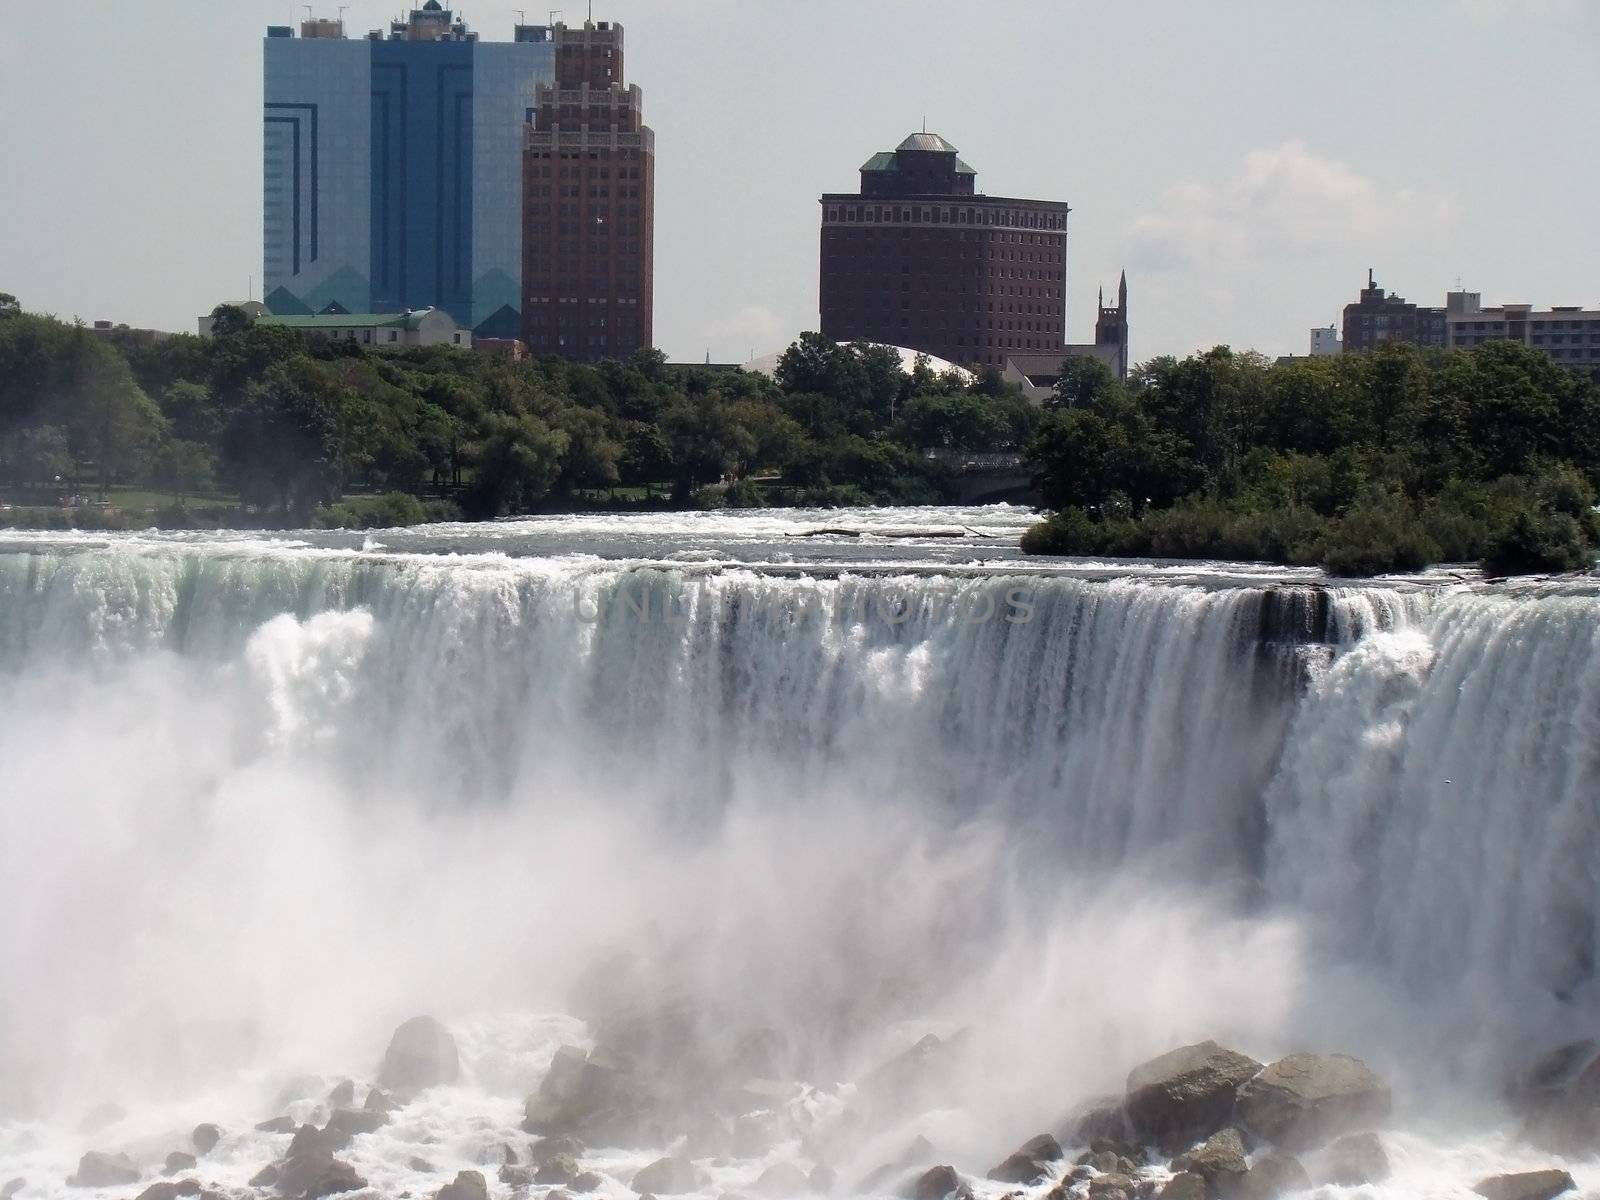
[596, 1096]
[343, 1094]
[1525, 1185]
[551, 1146]
[1272, 1175]
[782, 1180]
[1111, 1187]
[1354, 1160]
[1187, 1092]
[467, 1185]
[586, 1182]
[515, 1177]
[421, 1054]
[284, 1124]
[99, 1169]
[332, 1177]
[205, 1137]
[347, 1123]
[1306, 1100]
[170, 1190]
[668, 1177]
[1559, 1099]
[178, 1161]
[1186, 1185]
[12, 1187]
[914, 1156]
[421, 1164]
[309, 1140]
[266, 1177]
[934, 1184]
[557, 1169]
[379, 1100]
[1031, 1162]
[1220, 1161]
[1097, 1119]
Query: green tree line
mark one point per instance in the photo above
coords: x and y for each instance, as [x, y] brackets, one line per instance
[1360, 463]
[305, 430]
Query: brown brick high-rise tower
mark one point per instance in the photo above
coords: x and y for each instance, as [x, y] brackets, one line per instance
[588, 238]
[919, 258]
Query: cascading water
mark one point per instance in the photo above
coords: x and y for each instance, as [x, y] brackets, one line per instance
[264, 799]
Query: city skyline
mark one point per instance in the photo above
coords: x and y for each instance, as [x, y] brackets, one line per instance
[140, 193]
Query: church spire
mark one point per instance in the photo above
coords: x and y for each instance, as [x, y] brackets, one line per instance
[1122, 293]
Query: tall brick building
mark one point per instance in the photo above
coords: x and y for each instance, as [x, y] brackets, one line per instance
[1380, 317]
[589, 205]
[919, 258]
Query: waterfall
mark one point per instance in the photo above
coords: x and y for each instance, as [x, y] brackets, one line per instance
[265, 798]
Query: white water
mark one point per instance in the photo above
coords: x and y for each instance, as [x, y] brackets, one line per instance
[266, 798]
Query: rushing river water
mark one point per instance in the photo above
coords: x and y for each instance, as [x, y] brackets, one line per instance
[267, 796]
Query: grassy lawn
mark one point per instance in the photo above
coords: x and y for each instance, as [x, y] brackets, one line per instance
[138, 499]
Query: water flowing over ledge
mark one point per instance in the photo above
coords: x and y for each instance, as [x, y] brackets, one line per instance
[265, 797]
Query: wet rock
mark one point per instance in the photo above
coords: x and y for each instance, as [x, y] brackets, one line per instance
[1355, 1159]
[906, 1076]
[1525, 1185]
[1220, 1161]
[1304, 1101]
[467, 1185]
[379, 1100]
[284, 1124]
[1271, 1176]
[99, 1169]
[558, 1168]
[1030, 1163]
[1111, 1187]
[421, 1164]
[12, 1187]
[205, 1137]
[332, 1177]
[170, 1190]
[594, 1096]
[668, 1177]
[1095, 1120]
[1187, 1092]
[823, 1179]
[422, 1054]
[549, 1147]
[1186, 1186]
[343, 1094]
[782, 1180]
[178, 1161]
[1559, 1099]
[348, 1123]
[309, 1140]
[266, 1177]
[934, 1184]
[518, 1178]
[915, 1155]
[586, 1182]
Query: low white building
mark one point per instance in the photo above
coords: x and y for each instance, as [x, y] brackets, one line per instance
[1569, 334]
[1325, 341]
[418, 327]
[1037, 374]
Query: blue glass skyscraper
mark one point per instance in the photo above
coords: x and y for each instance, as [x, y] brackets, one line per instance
[392, 168]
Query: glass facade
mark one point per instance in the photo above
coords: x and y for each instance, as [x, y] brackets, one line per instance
[393, 175]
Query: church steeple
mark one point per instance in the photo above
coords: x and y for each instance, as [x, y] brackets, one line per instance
[1111, 327]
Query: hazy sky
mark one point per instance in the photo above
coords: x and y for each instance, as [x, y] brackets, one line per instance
[1245, 160]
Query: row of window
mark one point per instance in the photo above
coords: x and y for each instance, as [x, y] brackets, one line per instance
[945, 214]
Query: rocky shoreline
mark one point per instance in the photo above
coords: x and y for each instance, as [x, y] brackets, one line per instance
[1200, 1122]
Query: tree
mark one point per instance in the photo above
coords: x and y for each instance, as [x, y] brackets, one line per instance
[8, 305]
[183, 467]
[517, 461]
[1083, 382]
[228, 319]
[283, 444]
[706, 439]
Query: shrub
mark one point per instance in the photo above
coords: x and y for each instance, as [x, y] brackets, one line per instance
[1541, 542]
